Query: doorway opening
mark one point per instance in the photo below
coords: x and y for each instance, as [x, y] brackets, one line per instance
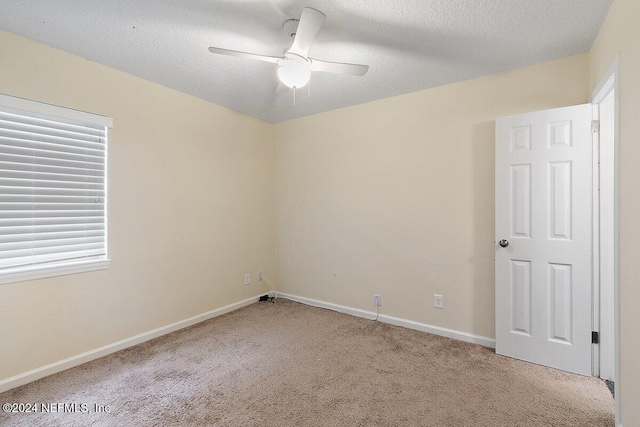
[540, 189]
[604, 100]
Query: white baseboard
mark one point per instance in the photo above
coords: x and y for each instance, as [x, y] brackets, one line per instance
[62, 365]
[397, 321]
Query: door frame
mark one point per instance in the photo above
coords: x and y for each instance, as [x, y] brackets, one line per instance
[610, 83]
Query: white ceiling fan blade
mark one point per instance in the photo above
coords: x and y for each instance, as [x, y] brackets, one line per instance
[228, 52]
[310, 22]
[339, 67]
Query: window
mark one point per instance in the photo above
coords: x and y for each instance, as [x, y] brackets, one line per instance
[53, 190]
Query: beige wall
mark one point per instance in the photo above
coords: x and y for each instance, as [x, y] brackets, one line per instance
[190, 211]
[621, 34]
[396, 196]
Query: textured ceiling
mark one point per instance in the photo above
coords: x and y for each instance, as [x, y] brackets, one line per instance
[409, 45]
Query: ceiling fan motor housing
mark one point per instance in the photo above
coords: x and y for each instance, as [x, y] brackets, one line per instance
[290, 27]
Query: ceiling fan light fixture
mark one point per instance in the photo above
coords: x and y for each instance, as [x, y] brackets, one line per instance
[294, 72]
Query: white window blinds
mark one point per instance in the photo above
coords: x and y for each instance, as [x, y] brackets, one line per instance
[53, 164]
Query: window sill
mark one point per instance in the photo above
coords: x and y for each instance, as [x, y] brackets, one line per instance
[31, 273]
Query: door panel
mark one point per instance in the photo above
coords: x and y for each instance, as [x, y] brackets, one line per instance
[521, 292]
[521, 200]
[543, 208]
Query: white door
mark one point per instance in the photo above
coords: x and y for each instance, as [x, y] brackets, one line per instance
[543, 219]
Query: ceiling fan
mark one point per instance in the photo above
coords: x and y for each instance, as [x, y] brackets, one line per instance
[295, 66]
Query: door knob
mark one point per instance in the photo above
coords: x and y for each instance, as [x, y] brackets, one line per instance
[504, 243]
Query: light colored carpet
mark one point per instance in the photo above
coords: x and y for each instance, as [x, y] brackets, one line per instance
[287, 364]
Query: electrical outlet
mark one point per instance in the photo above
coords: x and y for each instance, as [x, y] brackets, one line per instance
[377, 301]
[259, 276]
[247, 278]
[437, 301]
